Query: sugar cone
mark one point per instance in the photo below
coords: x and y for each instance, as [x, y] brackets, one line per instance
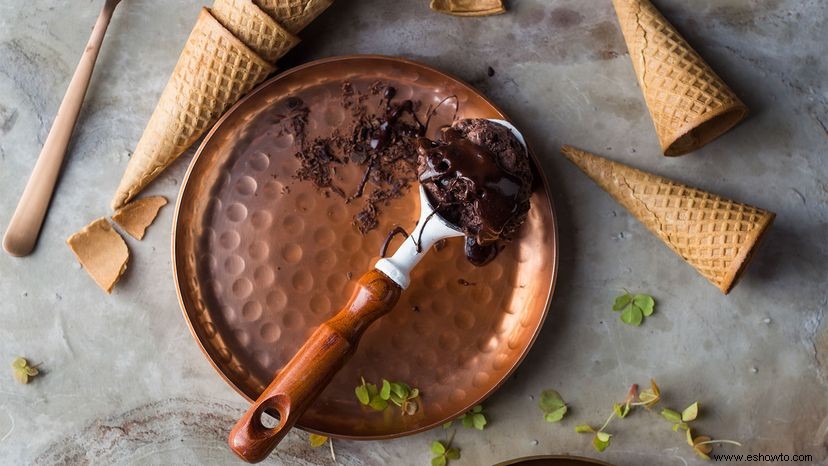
[294, 15]
[690, 105]
[214, 70]
[255, 28]
[715, 235]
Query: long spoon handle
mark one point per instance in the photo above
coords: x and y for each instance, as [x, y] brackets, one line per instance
[302, 379]
[25, 224]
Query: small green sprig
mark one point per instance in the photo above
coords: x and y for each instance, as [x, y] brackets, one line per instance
[601, 438]
[702, 445]
[680, 420]
[634, 308]
[553, 406]
[23, 372]
[473, 418]
[398, 393]
[443, 452]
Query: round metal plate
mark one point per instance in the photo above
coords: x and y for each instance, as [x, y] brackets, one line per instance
[260, 259]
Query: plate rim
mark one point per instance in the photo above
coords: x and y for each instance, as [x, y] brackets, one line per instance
[323, 61]
[583, 459]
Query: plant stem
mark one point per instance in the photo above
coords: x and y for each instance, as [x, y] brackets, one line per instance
[450, 439]
[607, 423]
[732, 442]
[333, 455]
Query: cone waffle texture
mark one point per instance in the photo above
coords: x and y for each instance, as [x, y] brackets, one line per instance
[690, 105]
[214, 70]
[294, 15]
[713, 234]
[255, 28]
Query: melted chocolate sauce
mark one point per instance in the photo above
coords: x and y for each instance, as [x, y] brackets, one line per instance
[480, 254]
[398, 230]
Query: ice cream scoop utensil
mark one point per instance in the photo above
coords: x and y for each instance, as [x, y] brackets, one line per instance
[310, 370]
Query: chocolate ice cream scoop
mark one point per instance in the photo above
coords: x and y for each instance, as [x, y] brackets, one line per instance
[477, 177]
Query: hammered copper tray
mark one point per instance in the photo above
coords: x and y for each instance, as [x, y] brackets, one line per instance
[261, 258]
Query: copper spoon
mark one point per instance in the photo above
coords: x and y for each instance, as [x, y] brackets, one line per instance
[333, 343]
[25, 224]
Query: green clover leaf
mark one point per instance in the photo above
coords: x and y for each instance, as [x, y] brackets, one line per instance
[362, 394]
[475, 418]
[553, 406]
[317, 440]
[632, 315]
[634, 308]
[670, 415]
[690, 413]
[443, 452]
[621, 302]
[23, 371]
[644, 302]
[600, 445]
[584, 429]
[378, 404]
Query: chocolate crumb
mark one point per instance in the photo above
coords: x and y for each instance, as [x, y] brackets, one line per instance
[380, 141]
[490, 72]
[465, 282]
[415, 308]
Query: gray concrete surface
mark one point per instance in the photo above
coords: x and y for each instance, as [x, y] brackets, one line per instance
[124, 383]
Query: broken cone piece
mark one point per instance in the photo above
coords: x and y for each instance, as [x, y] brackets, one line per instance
[468, 7]
[715, 235]
[101, 251]
[135, 217]
[689, 103]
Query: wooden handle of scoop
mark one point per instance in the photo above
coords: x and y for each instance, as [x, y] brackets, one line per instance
[25, 224]
[308, 373]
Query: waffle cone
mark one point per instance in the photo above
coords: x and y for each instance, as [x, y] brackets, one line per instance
[689, 103]
[294, 15]
[254, 27]
[214, 70]
[715, 235]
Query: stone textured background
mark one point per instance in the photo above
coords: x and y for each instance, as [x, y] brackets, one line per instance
[124, 382]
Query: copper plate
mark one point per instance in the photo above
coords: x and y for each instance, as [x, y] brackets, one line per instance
[260, 259]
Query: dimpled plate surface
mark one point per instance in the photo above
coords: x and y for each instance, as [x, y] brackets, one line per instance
[261, 259]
